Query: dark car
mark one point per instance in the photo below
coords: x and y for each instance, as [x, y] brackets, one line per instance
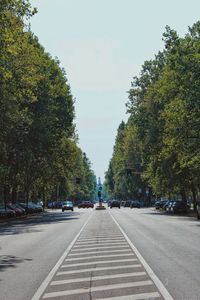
[86, 204]
[115, 203]
[6, 212]
[67, 205]
[135, 203]
[168, 205]
[160, 203]
[127, 203]
[17, 210]
[179, 207]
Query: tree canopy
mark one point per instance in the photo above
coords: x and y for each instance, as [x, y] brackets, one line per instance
[38, 142]
[161, 138]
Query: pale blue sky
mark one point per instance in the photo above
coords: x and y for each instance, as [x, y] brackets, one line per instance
[102, 45]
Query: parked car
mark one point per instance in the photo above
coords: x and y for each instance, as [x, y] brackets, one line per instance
[135, 203]
[160, 203]
[67, 205]
[86, 204]
[127, 203]
[31, 207]
[6, 212]
[179, 207]
[18, 211]
[168, 205]
[115, 203]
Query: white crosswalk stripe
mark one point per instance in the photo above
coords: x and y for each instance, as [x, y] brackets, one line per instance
[143, 296]
[98, 269]
[98, 256]
[96, 278]
[99, 248]
[99, 252]
[99, 262]
[98, 288]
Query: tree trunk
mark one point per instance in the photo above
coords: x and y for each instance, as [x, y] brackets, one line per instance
[194, 197]
[14, 195]
[183, 195]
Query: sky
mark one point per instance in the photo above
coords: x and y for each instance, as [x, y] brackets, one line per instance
[102, 45]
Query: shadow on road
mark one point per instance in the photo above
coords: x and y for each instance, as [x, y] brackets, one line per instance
[10, 261]
[181, 216]
[31, 223]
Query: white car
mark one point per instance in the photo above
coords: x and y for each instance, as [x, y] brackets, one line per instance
[67, 205]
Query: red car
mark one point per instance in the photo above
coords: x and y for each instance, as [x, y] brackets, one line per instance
[86, 204]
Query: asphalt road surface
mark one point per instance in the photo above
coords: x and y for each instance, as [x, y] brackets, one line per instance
[30, 249]
[170, 244]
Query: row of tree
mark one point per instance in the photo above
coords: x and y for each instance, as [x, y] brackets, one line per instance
[157, 152]
[39, 155]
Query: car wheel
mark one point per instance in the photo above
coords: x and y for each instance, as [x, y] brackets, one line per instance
[63, 210]
[72, 209]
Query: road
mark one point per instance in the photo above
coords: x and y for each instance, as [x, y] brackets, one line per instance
[29, 249]
[170, 244]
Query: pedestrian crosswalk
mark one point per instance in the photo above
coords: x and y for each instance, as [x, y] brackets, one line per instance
[101, 265]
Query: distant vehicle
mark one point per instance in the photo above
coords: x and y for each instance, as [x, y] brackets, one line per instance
[160, 203]
[114, 203]
[127, 203]
[168, 205]
[17, 210]
[135, 203]
[31, 207]
[67, 205]
[179, 207]
[6, 212]
[86, 204]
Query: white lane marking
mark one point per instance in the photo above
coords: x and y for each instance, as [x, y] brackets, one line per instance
[149, 296]
[99, 256]
[152, 275]
[95, 278]
[98, 245]
[100, 252]
[99, 242]
[101, 236]
[98, 269]
[51, 274]
[98, 288]
[102, 247]
[99, 262]
[100, 239]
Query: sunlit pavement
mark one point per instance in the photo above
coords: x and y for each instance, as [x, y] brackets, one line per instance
[100, 264]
